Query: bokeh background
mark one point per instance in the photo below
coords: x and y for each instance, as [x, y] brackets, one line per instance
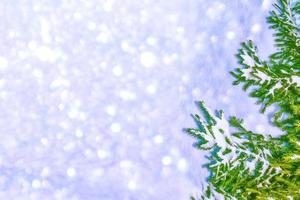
[94, 94]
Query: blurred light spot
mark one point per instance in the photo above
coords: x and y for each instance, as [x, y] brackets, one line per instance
[3, 63]
[77, 15]
[88, 153]
[98, 172]
[213, 39]
[69, 146]
[256, 28]
[59, 82]
[102, 154]
[71, 172]
[2, 83]
[45, 172]
[37, 73]
[126, 47]
[45, 28]
[111, 110]
[215, 10]
[32, 45]
[185, 78]
[266, 4]
[158, 139]
[166, 160]
[46, 54]
[107, 6]
[151, 41]
[73, 113]
[230, 35]
[151, 89]
[125, 164]
[131, 185]
[117, 70]
[92, 26]
[182, 165]
[115, 127]
[45, 141]
[147, 59]
[79, 133]
[103, 37]
[36, 184]
[127, 95]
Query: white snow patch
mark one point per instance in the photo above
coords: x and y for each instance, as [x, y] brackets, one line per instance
[263, 76]
[277, 86]
[296, 79]
[247, 60]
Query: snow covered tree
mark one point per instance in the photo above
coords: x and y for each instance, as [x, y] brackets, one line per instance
[248, 165]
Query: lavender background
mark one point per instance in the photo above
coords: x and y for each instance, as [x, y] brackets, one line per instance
[94, 94]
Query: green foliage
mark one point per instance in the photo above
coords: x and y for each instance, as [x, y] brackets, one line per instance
[247, 165]
[240, 160]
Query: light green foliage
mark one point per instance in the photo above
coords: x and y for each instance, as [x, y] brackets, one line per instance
[247, 165]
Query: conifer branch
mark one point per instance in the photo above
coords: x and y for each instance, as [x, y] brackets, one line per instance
[247, 165]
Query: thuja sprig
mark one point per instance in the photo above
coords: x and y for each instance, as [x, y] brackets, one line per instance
[247, 165]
